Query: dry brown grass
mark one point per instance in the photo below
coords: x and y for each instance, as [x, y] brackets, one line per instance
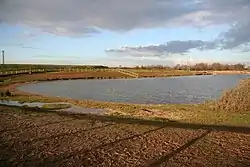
[237, 99]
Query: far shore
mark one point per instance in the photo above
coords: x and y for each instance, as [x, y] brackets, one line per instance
[231, 72]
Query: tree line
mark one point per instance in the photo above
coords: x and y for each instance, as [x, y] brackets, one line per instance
[199, 67]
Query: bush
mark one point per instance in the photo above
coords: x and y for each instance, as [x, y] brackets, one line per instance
[6, 93]
[237, 99]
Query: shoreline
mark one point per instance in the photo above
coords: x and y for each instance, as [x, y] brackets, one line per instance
[148, 111]
[13, 88]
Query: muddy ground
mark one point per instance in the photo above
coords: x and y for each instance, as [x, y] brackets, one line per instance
[32, 137]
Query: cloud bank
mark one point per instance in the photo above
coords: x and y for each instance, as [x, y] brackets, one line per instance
[163, 50]
[66, 17]
[85, 17]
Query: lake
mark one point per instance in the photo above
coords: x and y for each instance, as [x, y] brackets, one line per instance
[174, 90]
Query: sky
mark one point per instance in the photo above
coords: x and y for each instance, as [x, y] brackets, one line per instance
[127, 33]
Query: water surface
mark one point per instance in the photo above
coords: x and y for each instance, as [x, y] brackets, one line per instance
[187, 89]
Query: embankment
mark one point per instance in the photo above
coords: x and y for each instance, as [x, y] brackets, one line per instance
[237, 99]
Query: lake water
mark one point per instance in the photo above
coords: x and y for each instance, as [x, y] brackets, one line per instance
[174, 90]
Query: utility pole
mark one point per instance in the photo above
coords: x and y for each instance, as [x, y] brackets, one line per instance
[188, 63]
[3, 56]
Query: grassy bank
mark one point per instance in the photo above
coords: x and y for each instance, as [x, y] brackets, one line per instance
[200, 113]
[63, 76]
[95, 74]
[237, 99]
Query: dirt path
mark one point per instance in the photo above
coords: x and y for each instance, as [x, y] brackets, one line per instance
[48, 139]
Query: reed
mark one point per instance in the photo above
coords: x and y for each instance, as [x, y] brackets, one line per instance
[237, 99]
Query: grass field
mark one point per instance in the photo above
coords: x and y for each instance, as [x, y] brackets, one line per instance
[128, 135]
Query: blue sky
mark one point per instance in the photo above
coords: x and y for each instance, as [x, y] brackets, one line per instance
[118, 34]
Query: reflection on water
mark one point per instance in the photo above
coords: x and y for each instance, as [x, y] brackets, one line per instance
[188, 89]
[72, 109]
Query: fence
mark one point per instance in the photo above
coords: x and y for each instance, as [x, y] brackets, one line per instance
[129, 73]
[29, 71]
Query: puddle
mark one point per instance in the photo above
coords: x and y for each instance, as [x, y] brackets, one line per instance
[72, 109]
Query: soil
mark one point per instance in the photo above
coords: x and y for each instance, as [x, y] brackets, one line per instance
[30, 137]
